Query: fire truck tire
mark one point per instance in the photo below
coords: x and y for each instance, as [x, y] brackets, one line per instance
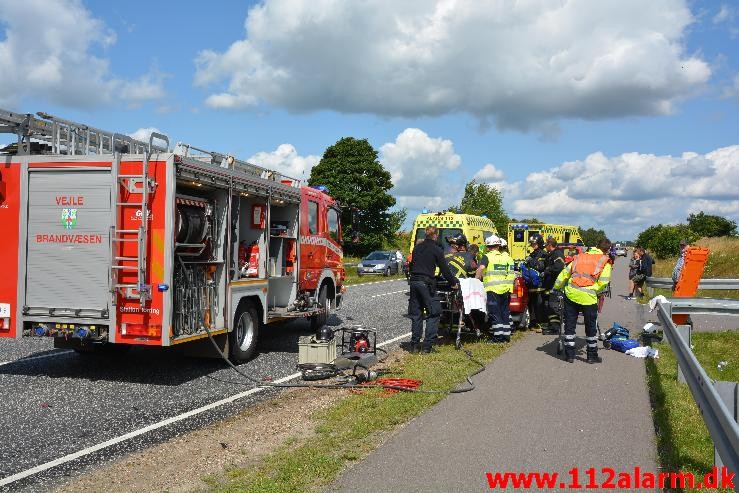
[243, 338]
[318, 321]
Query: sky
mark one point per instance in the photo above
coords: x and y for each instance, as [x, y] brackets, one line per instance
[615, 114]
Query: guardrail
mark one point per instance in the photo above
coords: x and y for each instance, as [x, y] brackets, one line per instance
[666, 283]
[718, 401]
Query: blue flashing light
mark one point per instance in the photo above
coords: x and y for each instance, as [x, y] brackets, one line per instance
[40, 331]
[320, 188]
[485, 216]
[163, 287]
[82, 333]
[425, 211]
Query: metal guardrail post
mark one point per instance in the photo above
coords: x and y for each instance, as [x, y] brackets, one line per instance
[686, 332]
[729, 393]
[720, 419]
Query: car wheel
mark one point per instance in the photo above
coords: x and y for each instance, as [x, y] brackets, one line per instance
[245, 334]
[523, 324]
[387, 272]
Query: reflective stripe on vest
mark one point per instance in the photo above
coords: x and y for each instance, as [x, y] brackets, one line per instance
[456, 262]
[586, 268]
[496, 274]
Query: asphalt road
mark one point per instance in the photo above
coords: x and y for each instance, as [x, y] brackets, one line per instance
[56, 402]
[530, 412]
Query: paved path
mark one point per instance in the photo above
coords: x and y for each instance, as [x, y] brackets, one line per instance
[531, 411]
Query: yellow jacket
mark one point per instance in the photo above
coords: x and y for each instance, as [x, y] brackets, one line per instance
[499, 274]
[584, 295]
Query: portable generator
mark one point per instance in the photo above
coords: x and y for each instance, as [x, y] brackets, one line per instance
[358, 340]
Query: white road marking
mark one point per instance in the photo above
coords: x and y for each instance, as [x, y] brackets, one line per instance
[387, 294]
[154, 426]
[43, 356]
[371, 283]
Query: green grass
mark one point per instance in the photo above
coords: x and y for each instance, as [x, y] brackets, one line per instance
[682, 438]
[353, 427]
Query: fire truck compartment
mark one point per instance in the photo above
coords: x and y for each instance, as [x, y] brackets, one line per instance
[68, 247]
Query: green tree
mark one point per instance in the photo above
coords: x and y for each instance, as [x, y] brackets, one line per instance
[481, 199]
[356, 178]
[664, 240]
[527, 220]
[707, 225]
[591, 236]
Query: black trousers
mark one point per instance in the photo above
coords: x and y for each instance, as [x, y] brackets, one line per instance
[537, 310]
[590, 314]
[423, 296]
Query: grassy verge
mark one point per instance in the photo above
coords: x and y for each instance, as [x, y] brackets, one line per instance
[723, 263]
[353, 427]
[350, 264]
[682, 438]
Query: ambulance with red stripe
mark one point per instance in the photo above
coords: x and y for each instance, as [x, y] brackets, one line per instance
[108, 241]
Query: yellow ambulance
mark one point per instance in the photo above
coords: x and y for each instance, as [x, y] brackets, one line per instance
[475, 228]
[519, 234]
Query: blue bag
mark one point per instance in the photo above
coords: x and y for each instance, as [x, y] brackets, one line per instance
[624, 345]
[531, 276]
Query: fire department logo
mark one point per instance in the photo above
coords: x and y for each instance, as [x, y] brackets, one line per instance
[69, 218]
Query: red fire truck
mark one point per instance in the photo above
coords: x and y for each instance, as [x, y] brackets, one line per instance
[107, 240]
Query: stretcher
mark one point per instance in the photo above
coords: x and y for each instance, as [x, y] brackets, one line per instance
[453, 316]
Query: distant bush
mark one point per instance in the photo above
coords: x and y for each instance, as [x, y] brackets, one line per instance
[709, 226]
[664, 240]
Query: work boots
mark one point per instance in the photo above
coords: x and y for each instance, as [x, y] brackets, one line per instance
[594, 358]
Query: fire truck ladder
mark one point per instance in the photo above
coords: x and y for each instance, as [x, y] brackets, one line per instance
[229, 162]
[134, 184]
[47, 134]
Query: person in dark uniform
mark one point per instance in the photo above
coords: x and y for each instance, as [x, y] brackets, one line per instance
[554, 262]
[535, 261]
[427, 256]
[461, 262]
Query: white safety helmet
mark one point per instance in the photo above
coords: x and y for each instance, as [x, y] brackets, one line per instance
[492, 240]
[503, 243]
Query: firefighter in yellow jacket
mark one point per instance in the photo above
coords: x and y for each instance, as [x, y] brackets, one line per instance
[497, 274]
[586, 276]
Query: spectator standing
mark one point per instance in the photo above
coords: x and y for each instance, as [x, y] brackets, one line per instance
[633, 270]
[679, 264]
[645, 270]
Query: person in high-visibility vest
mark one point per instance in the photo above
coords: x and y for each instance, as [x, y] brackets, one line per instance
[586, 276]
[497, 274]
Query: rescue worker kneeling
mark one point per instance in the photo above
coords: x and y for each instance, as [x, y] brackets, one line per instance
[497, 274]
[586, 276]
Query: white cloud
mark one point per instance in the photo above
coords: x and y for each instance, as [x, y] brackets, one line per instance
[143, 134]
[48, 51]
[724, 14]
[489, 173]
[517, 64]
[418, 165]
[624, 194]
[286, 160]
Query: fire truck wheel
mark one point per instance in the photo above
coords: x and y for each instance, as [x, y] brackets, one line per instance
[243, 338]
[318, 321]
